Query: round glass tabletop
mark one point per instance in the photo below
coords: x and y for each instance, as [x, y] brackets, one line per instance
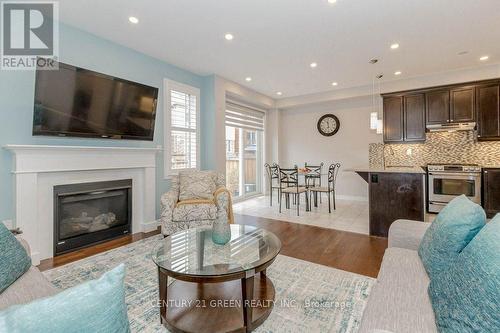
[192, 251]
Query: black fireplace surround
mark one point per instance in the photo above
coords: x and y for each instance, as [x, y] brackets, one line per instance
[90, 213]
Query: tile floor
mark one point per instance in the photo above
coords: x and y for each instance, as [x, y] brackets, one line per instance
[349, 216]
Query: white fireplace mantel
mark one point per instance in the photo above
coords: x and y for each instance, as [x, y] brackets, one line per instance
[38, 168]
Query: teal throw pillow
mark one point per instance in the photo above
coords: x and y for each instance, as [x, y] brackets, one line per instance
[451, 231]
[92, 307]
[14, 261]
[466, 297]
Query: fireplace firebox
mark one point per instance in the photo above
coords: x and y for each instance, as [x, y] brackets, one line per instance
[90, 213]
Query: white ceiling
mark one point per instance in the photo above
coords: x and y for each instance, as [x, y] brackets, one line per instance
[276, 40]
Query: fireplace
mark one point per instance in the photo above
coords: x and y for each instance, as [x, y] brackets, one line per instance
[89, 213]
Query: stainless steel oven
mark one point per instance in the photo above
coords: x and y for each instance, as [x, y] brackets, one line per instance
[446, 182]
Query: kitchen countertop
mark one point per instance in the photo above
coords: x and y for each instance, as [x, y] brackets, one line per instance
[390, 169]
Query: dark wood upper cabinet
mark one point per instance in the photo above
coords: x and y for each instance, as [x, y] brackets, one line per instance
[407, 113]
[453, 105]
[491, 191]
[462, 104]
[393, 119]
[437, 107]
[414, 117]
[488, 111]
[404, 118]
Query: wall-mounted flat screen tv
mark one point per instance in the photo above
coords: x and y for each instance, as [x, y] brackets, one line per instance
[73, 101]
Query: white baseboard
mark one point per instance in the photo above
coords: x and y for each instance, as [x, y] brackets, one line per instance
[352, 198]
[347, 197]
[35, 258]
[150, 226]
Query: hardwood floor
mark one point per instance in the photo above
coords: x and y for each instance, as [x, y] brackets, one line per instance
[94, 249]
[348, 251]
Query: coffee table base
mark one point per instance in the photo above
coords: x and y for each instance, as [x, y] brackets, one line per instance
[216, 307]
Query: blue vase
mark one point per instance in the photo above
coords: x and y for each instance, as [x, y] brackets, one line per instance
[221, 231]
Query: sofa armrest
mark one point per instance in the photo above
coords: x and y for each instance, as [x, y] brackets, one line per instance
[168, 201]
[407, 234]
[25, 244]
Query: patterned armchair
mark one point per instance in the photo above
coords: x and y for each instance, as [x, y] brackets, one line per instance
[196, 198]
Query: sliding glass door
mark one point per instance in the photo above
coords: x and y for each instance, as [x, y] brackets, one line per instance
[244, 151]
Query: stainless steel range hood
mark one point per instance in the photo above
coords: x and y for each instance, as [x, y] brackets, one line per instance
[452, 127]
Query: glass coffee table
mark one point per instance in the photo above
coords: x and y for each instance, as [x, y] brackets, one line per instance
[217, 288]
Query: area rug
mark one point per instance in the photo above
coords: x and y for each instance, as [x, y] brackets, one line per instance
[309, 297]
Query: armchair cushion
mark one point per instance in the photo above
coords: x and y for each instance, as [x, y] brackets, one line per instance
[197, 185]
[194, 212]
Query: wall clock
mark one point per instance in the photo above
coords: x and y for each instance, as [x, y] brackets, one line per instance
[328, 125]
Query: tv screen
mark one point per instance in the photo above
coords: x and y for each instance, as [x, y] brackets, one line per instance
[73, 101]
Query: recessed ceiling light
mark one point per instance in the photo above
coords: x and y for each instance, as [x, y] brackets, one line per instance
[228, 36]
[313, 65]
[394, 46]
[279, 93]
[397, 73]
[335, 84]
[332, 1]
[133, 19]
[248, 79]
[484, 58]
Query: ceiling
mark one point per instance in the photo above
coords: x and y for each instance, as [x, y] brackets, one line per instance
[276, 40]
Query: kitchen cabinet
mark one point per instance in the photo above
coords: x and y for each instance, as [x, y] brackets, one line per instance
[404, 118]
[437, 107]
[488, 111]
[491, 191]
[454, 105]
[414, 117]
[407, 113]
[393, 119]
[462, 104]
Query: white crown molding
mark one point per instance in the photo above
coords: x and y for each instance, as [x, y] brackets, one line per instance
[463, 75]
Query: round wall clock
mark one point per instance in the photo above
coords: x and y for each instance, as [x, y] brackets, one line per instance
[328, 125]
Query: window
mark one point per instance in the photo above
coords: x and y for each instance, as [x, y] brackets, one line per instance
[182, 135]
[244, 149]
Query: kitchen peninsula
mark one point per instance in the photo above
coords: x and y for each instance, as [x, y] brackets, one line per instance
[394, 193]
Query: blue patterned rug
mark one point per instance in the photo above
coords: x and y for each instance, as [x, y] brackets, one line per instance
[309, 297]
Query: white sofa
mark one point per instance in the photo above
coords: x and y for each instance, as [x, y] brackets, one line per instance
[399, 301]
[28, 287]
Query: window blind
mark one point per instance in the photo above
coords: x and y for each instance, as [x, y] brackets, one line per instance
[183, 130]
[242, 116]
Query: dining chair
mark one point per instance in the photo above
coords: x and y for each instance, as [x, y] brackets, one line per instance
[313, 177]
[289, 185]
[273, 177]
[333, 170]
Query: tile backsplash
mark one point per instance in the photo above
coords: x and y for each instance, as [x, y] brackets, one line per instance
[440, 147]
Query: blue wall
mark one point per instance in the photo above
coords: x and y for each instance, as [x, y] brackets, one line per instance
[207, 120]
[89, 51]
